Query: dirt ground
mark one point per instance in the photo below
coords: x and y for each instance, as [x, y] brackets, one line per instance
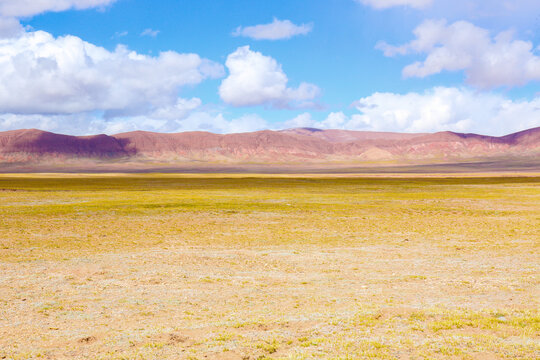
[258, 268]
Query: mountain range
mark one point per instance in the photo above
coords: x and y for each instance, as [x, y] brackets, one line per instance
[299, 147]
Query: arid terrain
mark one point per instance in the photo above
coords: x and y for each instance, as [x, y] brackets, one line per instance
[269, 266]
[292, 150]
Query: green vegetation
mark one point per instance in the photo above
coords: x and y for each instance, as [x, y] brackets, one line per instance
[105, 213]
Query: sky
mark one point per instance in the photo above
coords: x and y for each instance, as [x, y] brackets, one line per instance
[109, 66]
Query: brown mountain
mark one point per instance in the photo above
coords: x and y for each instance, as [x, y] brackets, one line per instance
[39, 143]
[303, 146]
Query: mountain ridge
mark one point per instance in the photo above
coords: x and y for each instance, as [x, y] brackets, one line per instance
[289, 146]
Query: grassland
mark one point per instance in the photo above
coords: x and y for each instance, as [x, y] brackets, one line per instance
[281, 267]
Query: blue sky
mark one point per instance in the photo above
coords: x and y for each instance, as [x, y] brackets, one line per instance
[92, 66]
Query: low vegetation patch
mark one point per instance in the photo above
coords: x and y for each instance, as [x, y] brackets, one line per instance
[275, 267]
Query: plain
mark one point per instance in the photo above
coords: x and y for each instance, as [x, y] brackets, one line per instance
[223, 266]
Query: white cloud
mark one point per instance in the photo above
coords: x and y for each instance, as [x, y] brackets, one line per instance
[487, 62]
[482, 8]
[27, 8]
[384, 4]
[40, 74]
[119, 34]
[438, 109]
[12, 10]
[181, 109]
[67, 85]
[150, 32]
[463, 8]
[334, 120]
[217, 123]
[10, 27]
[91, 124]
[443, 108]
[255, 79]
[497, 15]
[510, 13]
[165, 119]
[276, 30]
[303, 120]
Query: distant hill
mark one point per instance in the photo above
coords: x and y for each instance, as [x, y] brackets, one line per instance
[301, 147]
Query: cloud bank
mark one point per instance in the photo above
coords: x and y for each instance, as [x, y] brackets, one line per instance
[91, 124]
[446, 108]
[465, 8]
[436, 109]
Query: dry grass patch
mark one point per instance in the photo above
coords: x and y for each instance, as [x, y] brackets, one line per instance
[230, 267]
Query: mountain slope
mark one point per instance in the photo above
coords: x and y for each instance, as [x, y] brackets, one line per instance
[41, 143]
[292, 146]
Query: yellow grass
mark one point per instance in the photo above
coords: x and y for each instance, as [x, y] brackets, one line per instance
[283, 267]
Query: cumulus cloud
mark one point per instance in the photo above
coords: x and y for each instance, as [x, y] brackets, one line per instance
[40, 74]
[70, 86]
[27, 8]
[488, 62]
[256, 79]
[276, 30]
[384, 4]
[438, 109]
[444, 108]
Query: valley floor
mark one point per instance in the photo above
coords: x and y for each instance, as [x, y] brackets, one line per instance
[284, 267]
